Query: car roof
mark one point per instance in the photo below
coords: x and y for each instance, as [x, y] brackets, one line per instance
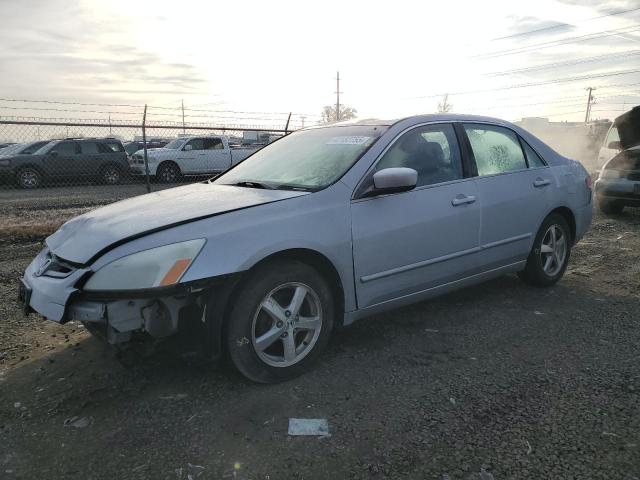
[425, 118]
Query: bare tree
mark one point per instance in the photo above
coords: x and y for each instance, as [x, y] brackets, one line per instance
[445, 106]
[346, 113]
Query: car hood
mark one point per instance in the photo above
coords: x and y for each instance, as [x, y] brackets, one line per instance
[628, 125]
[84, 238]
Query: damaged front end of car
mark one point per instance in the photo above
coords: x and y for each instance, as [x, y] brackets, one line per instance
[136, 297]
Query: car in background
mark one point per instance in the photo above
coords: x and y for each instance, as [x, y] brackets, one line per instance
[6, 144]
[133, 147]
[624, 133]
[196, 155]
[618, 184]
[71, 159]
[27, 148]
[326, 226]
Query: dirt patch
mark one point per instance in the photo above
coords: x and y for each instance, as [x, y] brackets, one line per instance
[503, 378]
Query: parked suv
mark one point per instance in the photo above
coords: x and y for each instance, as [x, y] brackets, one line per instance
[102, 159]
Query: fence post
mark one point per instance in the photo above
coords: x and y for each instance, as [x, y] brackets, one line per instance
[144, 147]
[286, 127]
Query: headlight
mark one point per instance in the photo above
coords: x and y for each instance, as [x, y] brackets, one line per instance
[156, 267]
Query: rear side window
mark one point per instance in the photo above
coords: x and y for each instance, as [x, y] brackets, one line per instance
[88, 148]
[213, 144]
[533, 158]
[496, 149]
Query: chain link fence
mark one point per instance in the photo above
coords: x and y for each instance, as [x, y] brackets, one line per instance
[53, 170]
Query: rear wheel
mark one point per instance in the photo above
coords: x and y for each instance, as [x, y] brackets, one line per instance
[280, 322]
[168, 172]
[610, 207]
[550, 253]
[29, 177]
[111, 175]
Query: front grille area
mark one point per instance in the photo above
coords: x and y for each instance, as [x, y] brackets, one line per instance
[53, 266]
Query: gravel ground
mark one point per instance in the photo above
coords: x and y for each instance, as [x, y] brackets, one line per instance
[498, 381]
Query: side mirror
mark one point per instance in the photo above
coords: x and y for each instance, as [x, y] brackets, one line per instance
[188, 147]
[393, 180]
[615, 145]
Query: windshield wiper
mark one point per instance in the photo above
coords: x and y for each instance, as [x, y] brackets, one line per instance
[251, 184]
[299, 188]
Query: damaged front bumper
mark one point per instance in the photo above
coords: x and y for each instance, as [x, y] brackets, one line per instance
[52, 288]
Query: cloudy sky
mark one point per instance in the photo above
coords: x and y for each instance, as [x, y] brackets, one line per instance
[502, 58]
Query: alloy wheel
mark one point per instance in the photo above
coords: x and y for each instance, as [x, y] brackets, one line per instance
[553, 250]
[287, 324]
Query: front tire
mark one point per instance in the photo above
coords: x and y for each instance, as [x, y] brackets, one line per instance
[549, 256]
[168, 172]
[28, 177]
[280, 322]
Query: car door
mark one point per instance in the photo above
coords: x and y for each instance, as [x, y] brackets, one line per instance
[514, 189]
[218, 157]
[192, 157]
[409, 242]
[88, 163]
[60, 160]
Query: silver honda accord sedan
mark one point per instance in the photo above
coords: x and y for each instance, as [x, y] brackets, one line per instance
[318, 229]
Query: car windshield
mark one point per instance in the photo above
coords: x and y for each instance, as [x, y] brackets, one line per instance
[309, 159]
[175, 144]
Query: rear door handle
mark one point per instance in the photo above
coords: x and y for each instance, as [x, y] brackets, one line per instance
[463, 199]
[541, 182]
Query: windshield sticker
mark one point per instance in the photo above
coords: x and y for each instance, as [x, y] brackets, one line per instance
[353, 140]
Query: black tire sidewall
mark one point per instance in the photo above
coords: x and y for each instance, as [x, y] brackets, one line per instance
[38, 176]
[106, 170]
[534, 272]
[168, 167]
[240, 320]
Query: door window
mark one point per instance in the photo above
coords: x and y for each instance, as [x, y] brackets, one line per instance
[533, 159]
[612, 136]
[213, 144]
[89, 148]
[496, 149]
[197, 144]
[430, 150]
[64, 148]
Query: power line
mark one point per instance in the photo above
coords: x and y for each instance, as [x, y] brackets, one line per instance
[562, 41]
[552, 27]
[565, 63]
[535, 84]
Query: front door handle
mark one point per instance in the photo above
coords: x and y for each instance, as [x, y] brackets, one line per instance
[541, 182]
[463, 199]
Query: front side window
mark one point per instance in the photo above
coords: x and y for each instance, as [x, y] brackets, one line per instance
[309, 159]
[64, 148]
[431, 150]
[495, 149]
[213, 144]
[196, 144]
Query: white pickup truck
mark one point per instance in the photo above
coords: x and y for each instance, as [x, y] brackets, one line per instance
[197, 155]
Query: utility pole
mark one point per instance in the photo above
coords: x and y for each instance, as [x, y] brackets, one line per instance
[590, 100]
[183, 129]
[338, 97]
